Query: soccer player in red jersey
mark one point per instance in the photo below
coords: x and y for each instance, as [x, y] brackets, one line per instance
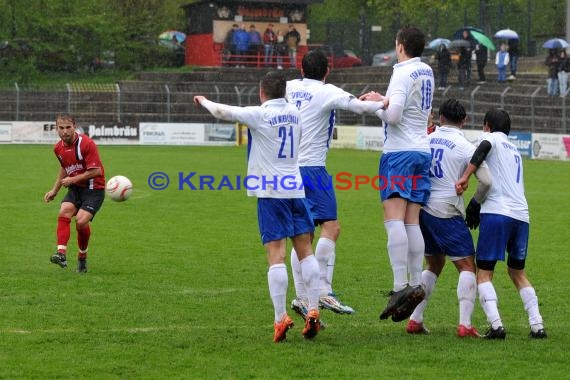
[84, 176]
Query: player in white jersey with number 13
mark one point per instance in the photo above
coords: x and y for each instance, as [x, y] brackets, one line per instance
[442, 218]
[504, 220]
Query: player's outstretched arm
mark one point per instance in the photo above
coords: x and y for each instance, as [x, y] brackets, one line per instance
[218, 110]
[364, 106]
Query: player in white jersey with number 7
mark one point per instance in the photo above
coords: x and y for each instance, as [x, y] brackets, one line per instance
[317, 102]
[504, 223]
[275, 128]
[406, 155]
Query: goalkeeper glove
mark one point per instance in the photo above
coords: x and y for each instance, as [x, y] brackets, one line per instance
[472, 214]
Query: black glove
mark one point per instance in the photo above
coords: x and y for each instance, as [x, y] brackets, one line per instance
[472, 214]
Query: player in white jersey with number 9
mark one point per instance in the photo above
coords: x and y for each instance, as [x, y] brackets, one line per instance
[504, 223]
[318, 101]
[275, 129]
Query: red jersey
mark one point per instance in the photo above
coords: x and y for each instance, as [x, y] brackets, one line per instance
[78, 158]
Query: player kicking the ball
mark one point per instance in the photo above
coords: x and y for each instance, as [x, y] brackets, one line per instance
[83, 174]
[275, 134]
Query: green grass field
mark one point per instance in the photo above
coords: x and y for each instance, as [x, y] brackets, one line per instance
[177, 283]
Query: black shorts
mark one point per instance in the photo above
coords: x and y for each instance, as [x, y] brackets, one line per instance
[86, 199]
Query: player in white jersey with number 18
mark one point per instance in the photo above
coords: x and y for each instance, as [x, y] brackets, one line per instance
[442, 218]
[504, 220]
[406, 154]
[275, 128]
[317, 102]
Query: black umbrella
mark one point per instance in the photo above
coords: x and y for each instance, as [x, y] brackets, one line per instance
[459, 32]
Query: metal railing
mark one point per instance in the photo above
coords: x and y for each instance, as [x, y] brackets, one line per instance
[133, 102]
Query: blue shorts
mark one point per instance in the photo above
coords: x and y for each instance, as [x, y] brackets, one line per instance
[282, 218]
[448, 236]
[319, 192]
[499, 233]
[405, 174]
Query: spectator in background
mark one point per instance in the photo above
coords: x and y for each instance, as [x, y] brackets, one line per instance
[513, 57]
[469, 51]
[502, 62]
[269, 39]
[552, 62]
[464, 66]
[563, 70]
[292, 39]
[229, 45]
[254, 44]
[241, 43]
[280, 49]
[444, 65]
[481, 54]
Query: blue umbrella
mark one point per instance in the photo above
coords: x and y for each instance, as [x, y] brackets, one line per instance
[507, 34]
[555, 43]
[438, 42]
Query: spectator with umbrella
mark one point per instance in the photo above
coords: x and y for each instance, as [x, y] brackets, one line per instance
[444, 65]
[552, 62]
[514, 51]
[512, 38]
[563, 70]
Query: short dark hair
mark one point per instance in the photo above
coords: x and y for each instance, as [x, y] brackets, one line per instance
[498, 120]
[453, 111]
[413, 39]
[315, 64]
[273, 84]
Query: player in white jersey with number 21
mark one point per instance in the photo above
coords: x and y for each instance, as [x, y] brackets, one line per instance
[282, 212]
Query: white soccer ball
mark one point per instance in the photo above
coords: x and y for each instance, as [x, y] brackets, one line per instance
[119, 188]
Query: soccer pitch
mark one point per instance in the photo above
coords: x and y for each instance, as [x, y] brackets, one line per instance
[177, 282]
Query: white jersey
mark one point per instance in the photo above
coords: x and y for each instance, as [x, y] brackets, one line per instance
[272, 167]
[411, 80]
[317, 102]
[506, 196]
[451, 153]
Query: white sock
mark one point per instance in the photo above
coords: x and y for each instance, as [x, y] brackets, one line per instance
[310, 272]
[300, 289]
[277, 280]
[416, 249]
[324, 252]
[530, 302]
[398, 252]
[489, 303]
[428, 281]
[466, 293]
